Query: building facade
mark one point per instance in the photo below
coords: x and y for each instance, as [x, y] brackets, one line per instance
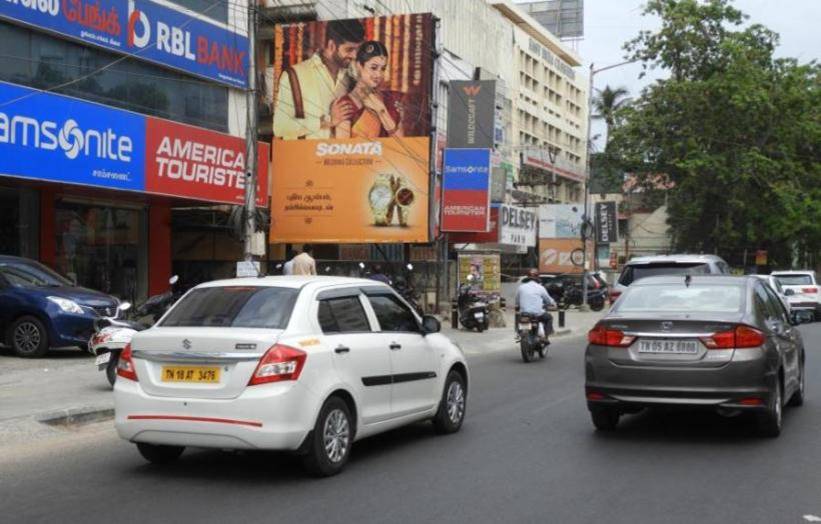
[112, 117]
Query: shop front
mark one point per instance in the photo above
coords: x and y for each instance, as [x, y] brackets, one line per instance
[89, 190]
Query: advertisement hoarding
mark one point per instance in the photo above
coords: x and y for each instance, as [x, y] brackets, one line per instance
[491, 236]
[147, 30]
[556, 255]
[466, 190]
[471, 113]
[60, 139]
[607, 225]
[517, 226]
[560, 220]
[349, 191]
[485, 268]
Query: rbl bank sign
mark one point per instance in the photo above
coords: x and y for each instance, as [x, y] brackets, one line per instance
[150, 31]
[52, 137]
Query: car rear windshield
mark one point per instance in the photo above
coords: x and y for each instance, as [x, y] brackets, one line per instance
[708, 298]
[234, 306]
[794, 280]
[635, 272]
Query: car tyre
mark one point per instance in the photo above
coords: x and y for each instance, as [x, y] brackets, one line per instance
[605, 418]
[770, 421]
[451, 413]
[797, 398]
[28, 337]
[331, 439]
[159, 454]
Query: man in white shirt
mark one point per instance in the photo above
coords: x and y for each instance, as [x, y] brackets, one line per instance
[304, 263]
[533, 299]
[306, 103]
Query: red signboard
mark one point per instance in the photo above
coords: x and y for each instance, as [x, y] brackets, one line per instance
[482, 237]
[186, 161]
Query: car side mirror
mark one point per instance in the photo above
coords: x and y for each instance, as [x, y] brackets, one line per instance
[430, 324]
[789, 292]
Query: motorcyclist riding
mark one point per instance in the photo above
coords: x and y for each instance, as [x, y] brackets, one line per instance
[533, 299]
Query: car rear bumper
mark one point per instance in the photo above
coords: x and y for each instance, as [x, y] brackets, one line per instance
[742, 383]
[274, 416]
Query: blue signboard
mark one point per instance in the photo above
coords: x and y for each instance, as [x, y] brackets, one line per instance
[466, 190]
[51, 137]
[145, 29]
[466, 169]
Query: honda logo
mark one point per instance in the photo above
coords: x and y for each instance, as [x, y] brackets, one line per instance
[186, 344]
[666, 326]
[472, 90]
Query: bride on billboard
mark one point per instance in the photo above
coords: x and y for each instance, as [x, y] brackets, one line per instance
[372, 112]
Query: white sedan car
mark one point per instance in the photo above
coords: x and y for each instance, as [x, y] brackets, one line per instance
[304, 364]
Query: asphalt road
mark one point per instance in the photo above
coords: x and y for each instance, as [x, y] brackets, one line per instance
[527, 453]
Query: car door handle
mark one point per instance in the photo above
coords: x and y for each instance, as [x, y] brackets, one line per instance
[342, 349]
[394, 346]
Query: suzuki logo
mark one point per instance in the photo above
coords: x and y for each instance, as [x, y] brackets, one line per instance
[472, 90]
[186, 344]
[666, 326]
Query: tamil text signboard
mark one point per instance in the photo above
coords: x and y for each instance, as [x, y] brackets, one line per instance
[144, 29]
[466, 190]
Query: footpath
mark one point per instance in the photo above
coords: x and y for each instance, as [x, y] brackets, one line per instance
[43, 397]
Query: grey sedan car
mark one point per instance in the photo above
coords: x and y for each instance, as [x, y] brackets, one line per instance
[725, 343]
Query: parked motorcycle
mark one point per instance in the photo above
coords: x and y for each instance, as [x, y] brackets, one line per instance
[473, 311]
[406, 290]
[570, 294]
[533, 340]
[112, 334]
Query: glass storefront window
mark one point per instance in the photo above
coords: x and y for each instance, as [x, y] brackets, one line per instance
[19, 213]
[99, 247]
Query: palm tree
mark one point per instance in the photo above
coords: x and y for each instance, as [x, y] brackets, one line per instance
[605, 105]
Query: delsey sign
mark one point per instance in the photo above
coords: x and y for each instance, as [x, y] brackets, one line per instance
[607, 229]
[150, 31]
[51, 137]
[517, 226]
[471, 113]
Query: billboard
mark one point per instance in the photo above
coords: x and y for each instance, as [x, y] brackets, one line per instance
[485, 268]
[359, 78]
[61, 139]
[145, 29]
[352, 124]
[466, 190]
[350, 191]
[607, 225]
[560, 220]
[471, 113]
[560, 255]
[517, 226]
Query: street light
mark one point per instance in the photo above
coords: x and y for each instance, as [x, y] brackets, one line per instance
[585, 216]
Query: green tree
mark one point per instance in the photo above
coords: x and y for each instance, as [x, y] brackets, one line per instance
[736, 130]
[606, 105]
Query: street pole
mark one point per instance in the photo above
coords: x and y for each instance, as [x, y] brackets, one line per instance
[585, 216]
[250, 223]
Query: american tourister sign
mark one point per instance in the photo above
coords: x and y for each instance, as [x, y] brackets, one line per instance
[61, 139]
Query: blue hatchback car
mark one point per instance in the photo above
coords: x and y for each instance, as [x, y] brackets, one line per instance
[40, 309]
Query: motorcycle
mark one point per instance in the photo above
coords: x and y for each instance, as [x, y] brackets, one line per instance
[532, 337]
[112, 334]
[407, 291]
[473, 311]
[568, 295]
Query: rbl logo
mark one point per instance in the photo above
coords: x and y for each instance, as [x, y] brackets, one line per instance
[472, 90]
[136, 16]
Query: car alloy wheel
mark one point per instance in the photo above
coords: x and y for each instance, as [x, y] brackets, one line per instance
[455, 402]
[27, 337]
[336, 436]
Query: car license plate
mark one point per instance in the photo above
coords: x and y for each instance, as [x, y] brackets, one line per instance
[687, 347]
[103, 358]
[190, 374]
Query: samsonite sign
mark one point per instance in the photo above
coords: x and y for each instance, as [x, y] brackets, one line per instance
[148, 30]
[51, 137]
[466, 190]
[517, 226]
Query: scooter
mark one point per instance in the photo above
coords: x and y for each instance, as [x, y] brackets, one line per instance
[533, 340]
[112, 334]
[473, 311]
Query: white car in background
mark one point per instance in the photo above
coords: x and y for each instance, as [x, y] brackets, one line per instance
[302, 364]
[801, 289]
[776, 286]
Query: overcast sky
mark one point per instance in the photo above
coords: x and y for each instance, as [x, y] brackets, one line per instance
[610, 23]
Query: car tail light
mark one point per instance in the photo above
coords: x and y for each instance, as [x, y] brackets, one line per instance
[614, 295]
[601, 336]
[125, 366]
[595, 395]
[751, 401]
[278, 364]
[739, 338]
[809, 290]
